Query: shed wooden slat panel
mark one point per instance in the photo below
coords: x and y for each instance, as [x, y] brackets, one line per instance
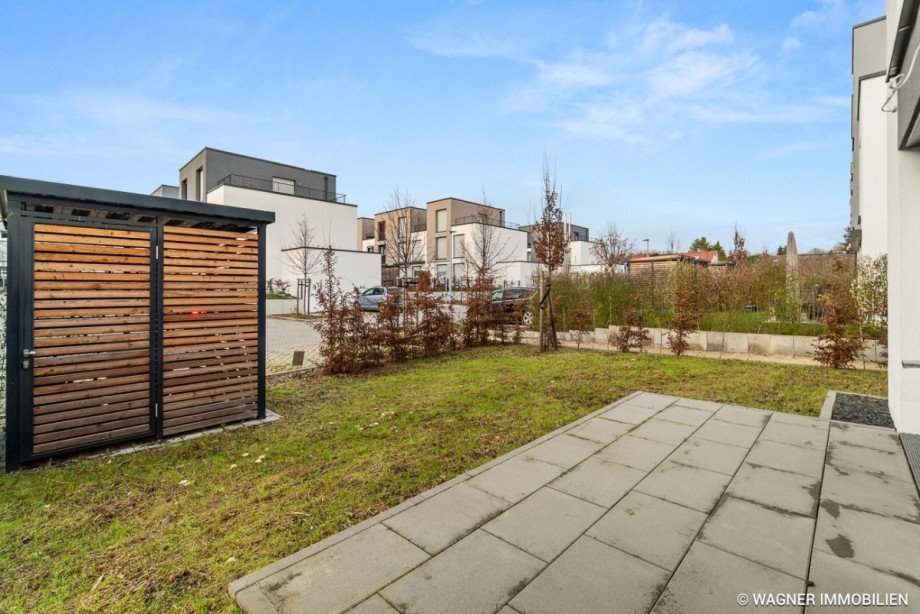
[216, 344]
[42, 237]
[86, 385]
[184, 369]
[139, 297]
[209, 353]
[187, 263]
[237, 324]
[98, 413]
[89, 428]
[48, 249]
[201, 397]
[84, 285]
[215, 287]
[228, 338]
[250, 414]
[98, 395]
[88, 374]
[199, 232]
[70, 360]
[218, 268]
[100, 276]
[98, 312]
[91, 231]
[83, 403]
[85, 366]
[100, 437]
[62, 323]
[215, 299]
[215, 278]
[185, 245]
[90, 338]
[249, 241]
[88, 266]
[208, 406]
[219, 308]
[90, 348]
[188, 391]
[71, 255]
[191, 377]
[177, 255]
[92, 330]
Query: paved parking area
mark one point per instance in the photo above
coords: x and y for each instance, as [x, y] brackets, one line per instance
[651, 504]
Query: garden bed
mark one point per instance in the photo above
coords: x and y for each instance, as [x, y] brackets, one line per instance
[862, 409]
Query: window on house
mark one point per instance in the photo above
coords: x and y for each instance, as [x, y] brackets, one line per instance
[458, 246]
[440, 220]
[440, 251]
[199, 185]
[184, 190]
[284, 186]
[459, 270]
[381, 230]
[442, 271]
[402, 227]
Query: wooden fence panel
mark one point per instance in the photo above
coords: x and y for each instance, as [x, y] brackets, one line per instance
[210, 328]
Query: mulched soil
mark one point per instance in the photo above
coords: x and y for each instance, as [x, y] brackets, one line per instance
[862, 409]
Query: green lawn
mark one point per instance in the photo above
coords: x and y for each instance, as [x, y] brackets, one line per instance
[127, 533]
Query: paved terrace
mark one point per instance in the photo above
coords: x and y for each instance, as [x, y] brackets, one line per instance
[651, 504]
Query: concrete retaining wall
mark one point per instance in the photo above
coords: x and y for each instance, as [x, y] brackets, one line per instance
[797, 346]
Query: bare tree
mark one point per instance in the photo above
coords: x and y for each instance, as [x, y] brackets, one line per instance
[673, 243]
[302, 255]
[486, 246]
[613, 247]
[401, 221]
[739, 253]
[549, 247]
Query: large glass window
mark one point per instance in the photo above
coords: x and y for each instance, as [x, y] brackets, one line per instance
[285, 186]
[458, 246]
[440, 220]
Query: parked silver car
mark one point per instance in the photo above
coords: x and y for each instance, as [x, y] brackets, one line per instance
[370, 299]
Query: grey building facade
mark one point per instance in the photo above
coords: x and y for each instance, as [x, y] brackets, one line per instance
[212, 167]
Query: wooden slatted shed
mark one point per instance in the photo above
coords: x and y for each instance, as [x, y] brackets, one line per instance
[129, 317]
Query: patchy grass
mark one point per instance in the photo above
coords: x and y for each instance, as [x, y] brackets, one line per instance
[129, 534]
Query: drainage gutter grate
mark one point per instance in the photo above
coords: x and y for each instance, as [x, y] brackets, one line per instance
[911, 444]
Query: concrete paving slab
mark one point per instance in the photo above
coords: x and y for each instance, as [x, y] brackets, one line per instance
[599, 481]
[745, 416]
[344, 575]
[663, 431]
[636, 452]
[710, 580]
[653, 400]
[817, 423]
[709, 406]
[600, 430]
[795, 435]
[564, 451]
[592, 577]
[652, 529]
[834, 575]
[711, 455]
[866, 436]
[443, 519]
[684, 415]
[375, 605]
[883, 463]
[726, 432]
[785, 457]
[545, 523]
[688, 486]
[480, 573]
[629, 413]
[774, 538]
[779, 489]
[890, 545]
[516, 478]
[870, 493]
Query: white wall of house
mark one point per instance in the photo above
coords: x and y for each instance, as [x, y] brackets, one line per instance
[872, 167]
[903, 272]
[510, 245]
[332, 225]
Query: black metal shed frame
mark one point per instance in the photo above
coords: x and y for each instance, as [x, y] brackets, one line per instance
[26, 202]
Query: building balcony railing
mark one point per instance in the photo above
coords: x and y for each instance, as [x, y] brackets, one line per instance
[484, 219]
[269, 185]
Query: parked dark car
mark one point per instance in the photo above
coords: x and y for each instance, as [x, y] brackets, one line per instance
[370, 299]
[514, 303]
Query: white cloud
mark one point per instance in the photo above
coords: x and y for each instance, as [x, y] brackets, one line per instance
[790, 43]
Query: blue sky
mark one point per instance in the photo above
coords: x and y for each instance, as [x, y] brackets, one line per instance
[660, 116]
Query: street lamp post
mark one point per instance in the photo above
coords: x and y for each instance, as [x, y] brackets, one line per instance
[646, 247]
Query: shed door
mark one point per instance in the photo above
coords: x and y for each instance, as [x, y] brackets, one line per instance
[91, 335]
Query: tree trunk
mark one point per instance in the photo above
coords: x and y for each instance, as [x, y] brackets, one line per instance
[540, 306]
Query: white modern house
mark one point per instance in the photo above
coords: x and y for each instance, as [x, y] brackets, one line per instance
[898, 124]
[868, 170]
[447, 238]
[294, 194]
